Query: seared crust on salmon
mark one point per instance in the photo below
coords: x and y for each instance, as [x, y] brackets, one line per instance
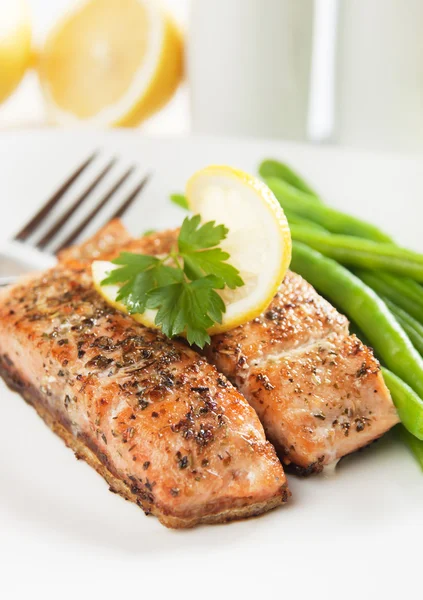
[318, 391]
[108, 238]
[158, 422]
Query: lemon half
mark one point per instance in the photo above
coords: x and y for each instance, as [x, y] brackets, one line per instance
[15, 45]
[110, 62]
[259, 242]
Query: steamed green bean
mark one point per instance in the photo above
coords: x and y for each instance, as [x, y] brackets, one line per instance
[405, 286]
[383, 288]
[408, 404]
[415, 445]
[356, 252]
[294, 219]
[275, 168]
[333, 220]
[412, 328]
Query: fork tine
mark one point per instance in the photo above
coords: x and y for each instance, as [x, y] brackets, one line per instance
[130, 199]
[56, 227]
[33, 223]
[80, 228]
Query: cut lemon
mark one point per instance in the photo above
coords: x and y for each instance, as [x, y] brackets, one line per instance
[15, 45]
[258, 242]
[110, 62]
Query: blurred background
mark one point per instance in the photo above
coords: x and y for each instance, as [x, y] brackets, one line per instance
[345, 72]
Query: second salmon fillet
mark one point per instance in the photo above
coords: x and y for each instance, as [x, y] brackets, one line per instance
[318, 391]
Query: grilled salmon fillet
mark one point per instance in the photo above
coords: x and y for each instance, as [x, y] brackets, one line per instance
[151, 415]
[318, 391]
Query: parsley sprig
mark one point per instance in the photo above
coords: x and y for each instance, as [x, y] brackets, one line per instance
[181, 285]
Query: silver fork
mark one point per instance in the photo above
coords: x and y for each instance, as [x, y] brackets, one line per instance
[20, 249]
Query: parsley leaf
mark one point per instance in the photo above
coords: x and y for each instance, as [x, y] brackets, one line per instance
[195, 243]
[194, 236]
[190, 307]
[212, 262]
[182, 285]
[135, 292]
[140, 274]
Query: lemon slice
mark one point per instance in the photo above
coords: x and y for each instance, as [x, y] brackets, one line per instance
[259, 242]
[110, 62]
[15, 45]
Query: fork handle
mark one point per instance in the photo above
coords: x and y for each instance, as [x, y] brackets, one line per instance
[17, 257]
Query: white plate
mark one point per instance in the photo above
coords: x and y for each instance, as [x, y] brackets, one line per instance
[63, 534]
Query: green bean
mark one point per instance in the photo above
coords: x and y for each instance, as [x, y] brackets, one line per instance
[329, 218]
[415, 445]
[402, 291]
[365, 308]
[412, 328]
[405, 286]
[408, 404]
[350, 250]
[377, 283]
[275, 168]
[294, 219]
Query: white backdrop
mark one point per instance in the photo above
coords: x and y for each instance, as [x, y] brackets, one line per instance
[25, 107]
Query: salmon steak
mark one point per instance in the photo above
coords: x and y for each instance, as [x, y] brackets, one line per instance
[318, 391]
[152, 416]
